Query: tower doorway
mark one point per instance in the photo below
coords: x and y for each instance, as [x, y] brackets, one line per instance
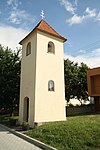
[26, 109]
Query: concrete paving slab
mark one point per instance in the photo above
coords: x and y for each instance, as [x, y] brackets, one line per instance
[9, 141]
[36, 143]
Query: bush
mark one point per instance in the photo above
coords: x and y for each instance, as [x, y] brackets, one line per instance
[71, 105]
[25, 125]
[12, 121]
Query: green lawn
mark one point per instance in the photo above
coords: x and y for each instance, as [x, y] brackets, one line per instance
[5, 119]
[77, 133]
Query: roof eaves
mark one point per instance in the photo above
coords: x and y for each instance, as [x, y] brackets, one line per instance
[58, 36]
[29, 33]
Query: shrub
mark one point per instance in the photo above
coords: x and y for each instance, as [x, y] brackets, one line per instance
[12, 121]
[25, 125]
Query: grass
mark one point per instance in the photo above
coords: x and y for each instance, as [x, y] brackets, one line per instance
[5, 119]
[77, 133]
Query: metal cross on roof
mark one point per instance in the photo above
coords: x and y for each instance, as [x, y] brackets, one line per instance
[42, 14]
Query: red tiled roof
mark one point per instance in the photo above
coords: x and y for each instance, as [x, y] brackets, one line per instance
[45, 27]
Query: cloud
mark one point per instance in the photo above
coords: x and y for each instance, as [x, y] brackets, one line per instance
[98, 17]
[13, 3]
[88, 14]
[10, 36]
[92, 60]
[10, 2]
[68, 6]
[76, 18]
[19, 16]
[96, 52]
[82, 51]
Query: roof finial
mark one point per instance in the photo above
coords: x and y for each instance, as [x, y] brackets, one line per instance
[42, 14]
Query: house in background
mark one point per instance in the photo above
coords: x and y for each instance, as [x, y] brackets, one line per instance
[93, 80]
[42, 97]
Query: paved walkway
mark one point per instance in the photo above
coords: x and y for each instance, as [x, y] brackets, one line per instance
[9, 141]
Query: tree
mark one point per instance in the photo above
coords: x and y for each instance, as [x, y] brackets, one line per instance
[70, 70]
[75, 81]
[82, 83]
[9, 78]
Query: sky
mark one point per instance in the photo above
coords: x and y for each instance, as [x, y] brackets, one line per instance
[76, 20]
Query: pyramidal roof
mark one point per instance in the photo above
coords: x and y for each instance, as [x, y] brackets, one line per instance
[45, 27]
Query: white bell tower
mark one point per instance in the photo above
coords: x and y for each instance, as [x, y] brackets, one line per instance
[42, 97]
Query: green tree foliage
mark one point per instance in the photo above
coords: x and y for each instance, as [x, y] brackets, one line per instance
[75, 81]
[9, 78]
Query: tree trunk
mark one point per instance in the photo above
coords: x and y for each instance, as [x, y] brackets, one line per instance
[11, 111]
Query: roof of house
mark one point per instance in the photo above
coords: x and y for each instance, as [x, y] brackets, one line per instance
[93, 71]
[45, 27]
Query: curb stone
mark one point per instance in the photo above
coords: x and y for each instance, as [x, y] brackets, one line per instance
[29, 139]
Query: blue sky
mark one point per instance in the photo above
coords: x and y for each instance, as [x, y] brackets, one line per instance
[77, 20]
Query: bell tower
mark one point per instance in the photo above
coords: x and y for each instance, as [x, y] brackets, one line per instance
[42, 97]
